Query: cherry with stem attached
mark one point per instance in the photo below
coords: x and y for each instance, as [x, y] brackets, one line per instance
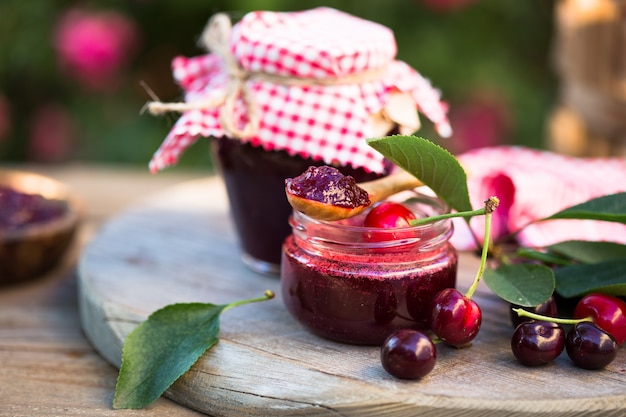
[456, 318]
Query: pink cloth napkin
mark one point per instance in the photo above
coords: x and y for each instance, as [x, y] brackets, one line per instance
[533, 184]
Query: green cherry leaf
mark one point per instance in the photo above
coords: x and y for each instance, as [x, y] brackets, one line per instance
[608, 277]
[526, 285]
[543, 256]
[588, 251]
[162, 348]
[611, 208]
[433, 165]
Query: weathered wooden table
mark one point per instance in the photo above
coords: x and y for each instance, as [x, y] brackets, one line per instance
[177, 245]
[47, 366]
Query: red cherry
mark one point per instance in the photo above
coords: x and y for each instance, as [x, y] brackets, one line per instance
[408, 354]
[455, 318]
[608, 312]
[589, 346]
[389, 215]
[536, 343]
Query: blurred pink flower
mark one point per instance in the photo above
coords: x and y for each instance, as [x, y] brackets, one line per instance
[52, 134]
[484, 119]
[5, 118]
[446, 5]
[95, 46]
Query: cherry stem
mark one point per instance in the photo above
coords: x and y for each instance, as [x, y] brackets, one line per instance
[490, 206]
[267, 295]
[523, 313]
[432, 219]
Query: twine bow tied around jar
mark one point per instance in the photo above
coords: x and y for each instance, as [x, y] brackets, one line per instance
[215, 38]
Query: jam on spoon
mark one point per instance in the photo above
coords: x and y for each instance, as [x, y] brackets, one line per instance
[324, 193]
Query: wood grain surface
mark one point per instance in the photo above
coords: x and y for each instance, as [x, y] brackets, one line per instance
[179, 246]
[47, 366]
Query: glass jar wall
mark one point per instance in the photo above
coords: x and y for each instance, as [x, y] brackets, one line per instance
[355, 284]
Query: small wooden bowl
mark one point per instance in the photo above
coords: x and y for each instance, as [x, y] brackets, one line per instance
[32, 250]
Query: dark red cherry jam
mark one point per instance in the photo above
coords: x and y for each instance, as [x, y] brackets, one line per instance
[328, 185]
[342, 285]
[19, 209]
[255, 184]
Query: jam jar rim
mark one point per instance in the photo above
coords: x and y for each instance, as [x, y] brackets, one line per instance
[424, 236]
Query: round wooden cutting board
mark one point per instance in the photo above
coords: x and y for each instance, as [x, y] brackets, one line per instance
[179, 246]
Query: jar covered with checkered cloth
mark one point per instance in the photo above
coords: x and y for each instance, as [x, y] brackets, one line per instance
[282, 91]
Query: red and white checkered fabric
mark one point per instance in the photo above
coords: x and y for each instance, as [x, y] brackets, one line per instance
[534, 184]
[325, 122]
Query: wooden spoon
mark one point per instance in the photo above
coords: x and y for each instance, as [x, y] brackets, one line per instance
[377, 190]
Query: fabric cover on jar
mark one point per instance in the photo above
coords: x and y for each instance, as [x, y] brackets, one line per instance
[314, 83]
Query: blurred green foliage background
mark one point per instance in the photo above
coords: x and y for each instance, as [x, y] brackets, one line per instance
[490, 59]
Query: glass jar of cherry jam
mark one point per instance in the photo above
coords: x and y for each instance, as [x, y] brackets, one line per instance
[355, 284]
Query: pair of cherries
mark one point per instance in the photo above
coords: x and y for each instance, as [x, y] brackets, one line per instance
[599, 328]
[455, 318]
